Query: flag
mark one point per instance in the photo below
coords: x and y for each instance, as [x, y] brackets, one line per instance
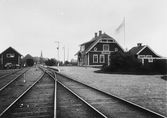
[120, 28]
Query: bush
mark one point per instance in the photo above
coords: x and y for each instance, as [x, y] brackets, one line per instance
[128, 63]
[159, 66]
[124, 62]
[50, 62]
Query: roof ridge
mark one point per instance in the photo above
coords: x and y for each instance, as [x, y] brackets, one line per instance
[13, 49]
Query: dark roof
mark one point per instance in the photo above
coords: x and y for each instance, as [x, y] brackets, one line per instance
[95, 41]
[104, 35]
[136, 50]
[12, 49]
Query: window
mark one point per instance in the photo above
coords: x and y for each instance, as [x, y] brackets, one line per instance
[141, 56]
[95, 58]
[10, 55]
[110, 41]
[105, 47]
[149, 56]
[95, 49]
[102, 60]
[82, 48]
[150, 60]
[116, 49]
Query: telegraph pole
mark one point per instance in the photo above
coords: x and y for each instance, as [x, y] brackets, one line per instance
[57, 51]
[64, 53]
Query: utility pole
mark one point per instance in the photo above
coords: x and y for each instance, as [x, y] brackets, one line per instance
[57, 51]
[64, 53]
[68, 55]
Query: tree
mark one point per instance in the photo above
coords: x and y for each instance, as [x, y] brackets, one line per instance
[51, 62]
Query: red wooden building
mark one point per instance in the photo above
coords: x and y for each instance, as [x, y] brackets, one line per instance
[10, 55]
[145, 53]
[96, 52]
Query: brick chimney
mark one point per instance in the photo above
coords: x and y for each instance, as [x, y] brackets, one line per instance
[100, 32]
[139, 44]
[95, 34]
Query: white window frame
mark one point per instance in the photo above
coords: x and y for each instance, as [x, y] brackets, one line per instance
[150, 60]
[102, 56]
[148, 56]
[10, 55]
[116, 49]
[95, 56]
[107, 46]
[141, 56]
[82, 48]
[95, 49]
[109, 56]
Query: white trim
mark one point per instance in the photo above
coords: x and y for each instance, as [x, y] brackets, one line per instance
[103, 56]
[95, 48]
[141, 56]
[109, 59]
[98, 40]
[150, 60]
[141, 50]
[119, 45]
[148, 56]
[95, 55]
[154, 52]
[82, 48]
[108, 47]
[12, 49]
[88, 58]
[92, 45]
[10, 55]
[116, 49]
[148, 48]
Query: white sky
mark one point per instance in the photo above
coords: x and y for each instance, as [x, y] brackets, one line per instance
[30, 26]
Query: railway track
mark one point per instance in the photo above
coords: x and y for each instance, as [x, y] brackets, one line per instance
[108, 104]
[5, 74]
[36, 102]
[70, 105]
[54, 95]
[46, 98]
[12, 87]
[7, 79]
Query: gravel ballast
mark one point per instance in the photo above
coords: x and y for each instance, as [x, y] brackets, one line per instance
[148, 91]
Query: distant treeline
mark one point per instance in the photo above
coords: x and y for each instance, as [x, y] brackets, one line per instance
[128, 63]
[54, 62]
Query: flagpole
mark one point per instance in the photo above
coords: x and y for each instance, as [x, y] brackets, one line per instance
[124, 34]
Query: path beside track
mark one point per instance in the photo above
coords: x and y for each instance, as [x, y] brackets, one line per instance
[16, 88]
[148, 91]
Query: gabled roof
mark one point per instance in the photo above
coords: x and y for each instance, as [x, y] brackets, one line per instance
[96, 40]
[138, 49]
[12, 49]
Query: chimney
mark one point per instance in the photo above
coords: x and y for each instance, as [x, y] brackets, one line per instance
[139, 44]
[100, 32]
[95, 34]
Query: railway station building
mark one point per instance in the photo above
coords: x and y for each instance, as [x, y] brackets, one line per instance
[10, 56]
[96, 52]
